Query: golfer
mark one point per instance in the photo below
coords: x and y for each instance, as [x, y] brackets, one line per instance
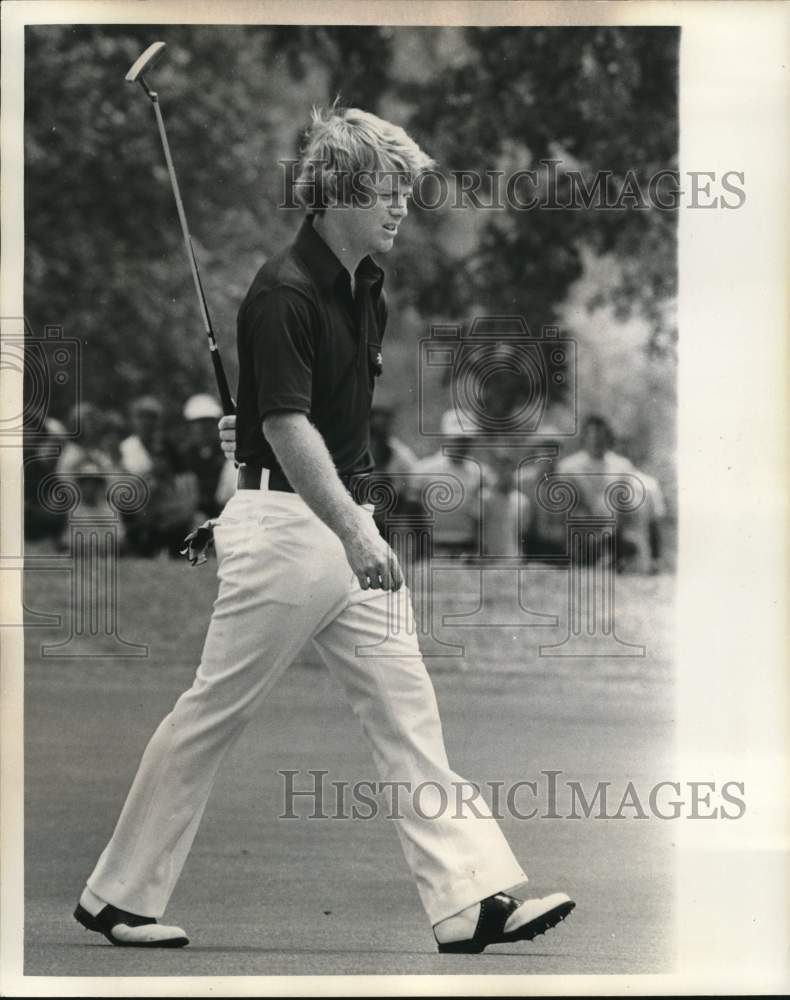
[299, 559]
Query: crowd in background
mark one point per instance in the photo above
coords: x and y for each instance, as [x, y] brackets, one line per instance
[609, 282]
[480, 501]
[182, 474]
[486, 500]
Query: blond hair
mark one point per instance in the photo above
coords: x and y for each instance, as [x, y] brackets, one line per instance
[343, 144]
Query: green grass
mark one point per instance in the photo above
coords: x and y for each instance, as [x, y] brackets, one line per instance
[262, 896]
[165, 605]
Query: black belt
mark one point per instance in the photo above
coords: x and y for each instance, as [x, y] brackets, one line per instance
[250, 479]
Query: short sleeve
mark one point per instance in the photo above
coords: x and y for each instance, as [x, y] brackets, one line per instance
[283, 334]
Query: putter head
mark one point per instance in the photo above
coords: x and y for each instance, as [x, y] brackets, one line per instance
[145, 61]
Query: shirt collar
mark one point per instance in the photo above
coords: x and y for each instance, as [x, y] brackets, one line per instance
[324, 266]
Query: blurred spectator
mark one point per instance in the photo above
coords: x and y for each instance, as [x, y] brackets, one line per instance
[140, 450]
[649, 538]
[41, 457]
[595, 456]
[202, 454]
[112, 433]
[390, 455]
[638, 534]
[456, 530]
[594, 467]
[546, 534]
[506, 507]
[647, 522]
[86, 452]
[394, 460]
[88, 445]
[170, 512]
[94, 506]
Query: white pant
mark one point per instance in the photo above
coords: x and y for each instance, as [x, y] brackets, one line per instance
[283, 579]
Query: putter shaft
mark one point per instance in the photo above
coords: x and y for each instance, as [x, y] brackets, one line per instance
[135, 75]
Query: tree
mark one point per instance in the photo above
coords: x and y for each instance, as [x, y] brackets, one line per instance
[103, 252]
[595, 99]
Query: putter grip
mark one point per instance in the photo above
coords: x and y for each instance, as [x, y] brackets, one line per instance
[227, 401]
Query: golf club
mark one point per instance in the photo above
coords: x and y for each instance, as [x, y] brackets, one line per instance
[135, 75]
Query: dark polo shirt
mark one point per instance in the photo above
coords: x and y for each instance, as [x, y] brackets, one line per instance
[305, 344]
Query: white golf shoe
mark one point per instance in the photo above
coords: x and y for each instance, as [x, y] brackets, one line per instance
[128, 930]
[500, 919]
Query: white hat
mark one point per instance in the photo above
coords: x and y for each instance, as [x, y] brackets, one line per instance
[451, 425]
[55, 427]
[87, 467]
[201, 407]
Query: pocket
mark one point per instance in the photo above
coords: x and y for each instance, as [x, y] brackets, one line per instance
[232, 538]
[235, 529]
[293, 558]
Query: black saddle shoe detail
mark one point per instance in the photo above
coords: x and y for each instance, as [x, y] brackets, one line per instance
[494, 914]
[111, 916]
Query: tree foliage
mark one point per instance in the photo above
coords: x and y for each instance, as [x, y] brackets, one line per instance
[103, 251]
[595, 99]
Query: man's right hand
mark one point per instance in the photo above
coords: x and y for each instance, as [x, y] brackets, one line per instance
[306, 461]
[374, 563]
[227, 435]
